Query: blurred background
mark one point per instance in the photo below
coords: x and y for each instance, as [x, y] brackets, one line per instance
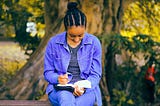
[128, 31]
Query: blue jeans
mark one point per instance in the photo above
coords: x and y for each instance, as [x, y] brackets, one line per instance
[66, 98]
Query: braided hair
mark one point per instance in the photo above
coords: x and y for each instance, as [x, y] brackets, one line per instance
[74, 17]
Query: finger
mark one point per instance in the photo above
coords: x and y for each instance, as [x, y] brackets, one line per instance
[82, 89]
[65, 75]
[75, 92]
[62, 77]
[78, 92]
[63, 80]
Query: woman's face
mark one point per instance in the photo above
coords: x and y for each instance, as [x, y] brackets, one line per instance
[75, 34]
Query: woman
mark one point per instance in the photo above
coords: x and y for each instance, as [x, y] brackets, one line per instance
[77, 53]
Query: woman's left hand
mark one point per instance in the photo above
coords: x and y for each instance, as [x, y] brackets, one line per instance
[78, 91]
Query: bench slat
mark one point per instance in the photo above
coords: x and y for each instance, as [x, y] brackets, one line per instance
[23, 103]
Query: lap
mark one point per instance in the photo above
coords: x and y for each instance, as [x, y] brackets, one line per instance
[87, 99]
[67, 98]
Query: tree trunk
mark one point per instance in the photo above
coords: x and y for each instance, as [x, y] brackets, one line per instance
[103, 16]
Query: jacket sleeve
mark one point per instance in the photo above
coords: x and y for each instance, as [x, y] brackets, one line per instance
[96, 67]
[50, 74]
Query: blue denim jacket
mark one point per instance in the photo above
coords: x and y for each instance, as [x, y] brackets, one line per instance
[57, 57]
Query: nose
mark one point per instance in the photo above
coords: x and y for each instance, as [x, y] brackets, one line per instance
[76, 39]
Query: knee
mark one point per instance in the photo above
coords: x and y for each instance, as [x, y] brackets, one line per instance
[66, 99]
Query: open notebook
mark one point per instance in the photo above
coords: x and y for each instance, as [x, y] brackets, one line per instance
[69, 87]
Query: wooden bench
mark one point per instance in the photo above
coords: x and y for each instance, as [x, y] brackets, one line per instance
[24, 103]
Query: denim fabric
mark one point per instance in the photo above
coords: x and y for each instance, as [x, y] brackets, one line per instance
[65, 98]
[57, 58]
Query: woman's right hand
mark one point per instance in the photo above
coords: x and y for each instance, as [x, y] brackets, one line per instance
[63, 79]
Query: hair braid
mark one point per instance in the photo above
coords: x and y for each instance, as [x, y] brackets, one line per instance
[74, 17]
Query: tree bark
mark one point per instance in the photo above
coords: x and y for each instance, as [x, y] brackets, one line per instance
[103, 17]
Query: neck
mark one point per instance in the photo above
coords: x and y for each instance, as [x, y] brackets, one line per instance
[72, 44]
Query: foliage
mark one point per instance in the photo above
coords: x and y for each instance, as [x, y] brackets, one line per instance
[126, 79]
[142, 18]
[9, 69]
[18, 13]
[12, 58]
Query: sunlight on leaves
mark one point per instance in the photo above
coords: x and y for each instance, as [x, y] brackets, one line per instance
[142, 18]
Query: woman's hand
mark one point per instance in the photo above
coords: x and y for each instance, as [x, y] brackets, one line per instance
[63, 79]
[78, 91]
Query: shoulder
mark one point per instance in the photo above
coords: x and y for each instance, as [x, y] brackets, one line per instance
[93, 41]
[55, 40]
[57, 37]
[91, 38]
[88, 35]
